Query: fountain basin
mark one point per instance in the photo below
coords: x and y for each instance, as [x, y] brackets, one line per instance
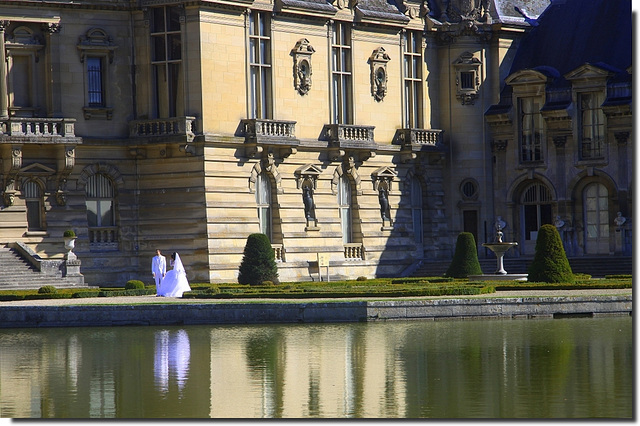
[499, 248]
[499, 277]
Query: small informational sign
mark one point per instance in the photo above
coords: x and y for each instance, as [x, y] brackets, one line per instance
[323, 261]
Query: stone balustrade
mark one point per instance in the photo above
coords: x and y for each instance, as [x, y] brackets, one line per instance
[278, 251]
[354, 251]
[420, 137]
[104, 237]
[158, 127]
[349, 133]
[269, 128]
[38, 127]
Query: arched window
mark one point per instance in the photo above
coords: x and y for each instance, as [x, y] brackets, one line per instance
[35, 207]
[596, 211]
[101, 218]
[416, 209]
[344, 204]
[263, 200]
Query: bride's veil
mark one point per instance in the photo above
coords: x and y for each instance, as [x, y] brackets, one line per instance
[177, 264]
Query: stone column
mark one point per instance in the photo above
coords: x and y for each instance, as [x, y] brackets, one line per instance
[4, 97]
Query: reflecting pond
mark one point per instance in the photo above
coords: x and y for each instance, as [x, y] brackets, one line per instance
[543, 368]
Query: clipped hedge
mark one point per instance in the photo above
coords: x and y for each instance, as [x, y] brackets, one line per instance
[133, 284]
[465, 258]
[550, 263]
[454, 290]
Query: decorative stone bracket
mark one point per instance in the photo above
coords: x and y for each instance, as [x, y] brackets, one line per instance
[10, 174]
[65, 166]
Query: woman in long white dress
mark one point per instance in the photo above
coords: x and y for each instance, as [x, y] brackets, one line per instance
[175, 281]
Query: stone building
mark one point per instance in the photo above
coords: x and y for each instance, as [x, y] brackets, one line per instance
[371, 131]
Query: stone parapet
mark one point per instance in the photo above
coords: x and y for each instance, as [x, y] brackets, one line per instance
[67, 314]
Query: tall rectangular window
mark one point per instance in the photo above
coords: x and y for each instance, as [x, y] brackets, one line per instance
[95, 86]
[260, 66]
[591, 126]
[344, 203]
[530, 130]
[341, 74]
[166, 59]
[413, 80]
[263, 200]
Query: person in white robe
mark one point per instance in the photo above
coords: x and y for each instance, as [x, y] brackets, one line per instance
[175, 281]
[158, 269]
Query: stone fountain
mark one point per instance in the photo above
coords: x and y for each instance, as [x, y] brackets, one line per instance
[500, 247]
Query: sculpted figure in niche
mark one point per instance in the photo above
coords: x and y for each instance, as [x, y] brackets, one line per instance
[383, 198]
[307, 200]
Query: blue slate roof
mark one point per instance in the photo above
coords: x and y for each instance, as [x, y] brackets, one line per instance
[571, 33]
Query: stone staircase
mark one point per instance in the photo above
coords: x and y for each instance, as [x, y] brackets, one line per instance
[16, 273]
[597, 267]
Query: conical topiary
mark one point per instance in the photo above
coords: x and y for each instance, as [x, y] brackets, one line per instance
[550, 262]
[465, 259]
[258, 263]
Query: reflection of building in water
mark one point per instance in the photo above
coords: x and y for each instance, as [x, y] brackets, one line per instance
[306, 372]
[172, 356]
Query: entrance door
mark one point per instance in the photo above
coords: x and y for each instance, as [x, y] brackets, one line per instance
[470, 218]
[596, 210]
[536, 211]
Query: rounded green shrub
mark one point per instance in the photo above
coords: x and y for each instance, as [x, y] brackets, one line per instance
[361, 278]
[550, 263]
[465, 259]
[258, 262]
[134, 285]
[69, 233]
[47, 289]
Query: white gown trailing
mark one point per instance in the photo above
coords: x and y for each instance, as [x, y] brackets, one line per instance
[175, 281]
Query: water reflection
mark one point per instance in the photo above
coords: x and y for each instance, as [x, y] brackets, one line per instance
[172, 354]
[452, 369]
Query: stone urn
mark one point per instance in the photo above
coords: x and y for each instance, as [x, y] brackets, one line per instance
[69, 237]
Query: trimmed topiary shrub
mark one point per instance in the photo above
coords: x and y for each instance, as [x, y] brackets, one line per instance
[69, 233]
[47, 289]
[134, 285]
[550, 263]
[465, 259]
[258, 263]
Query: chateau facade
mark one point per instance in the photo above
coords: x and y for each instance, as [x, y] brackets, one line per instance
[368, 131]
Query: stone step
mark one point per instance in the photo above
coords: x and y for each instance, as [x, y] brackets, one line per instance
[16, 273]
